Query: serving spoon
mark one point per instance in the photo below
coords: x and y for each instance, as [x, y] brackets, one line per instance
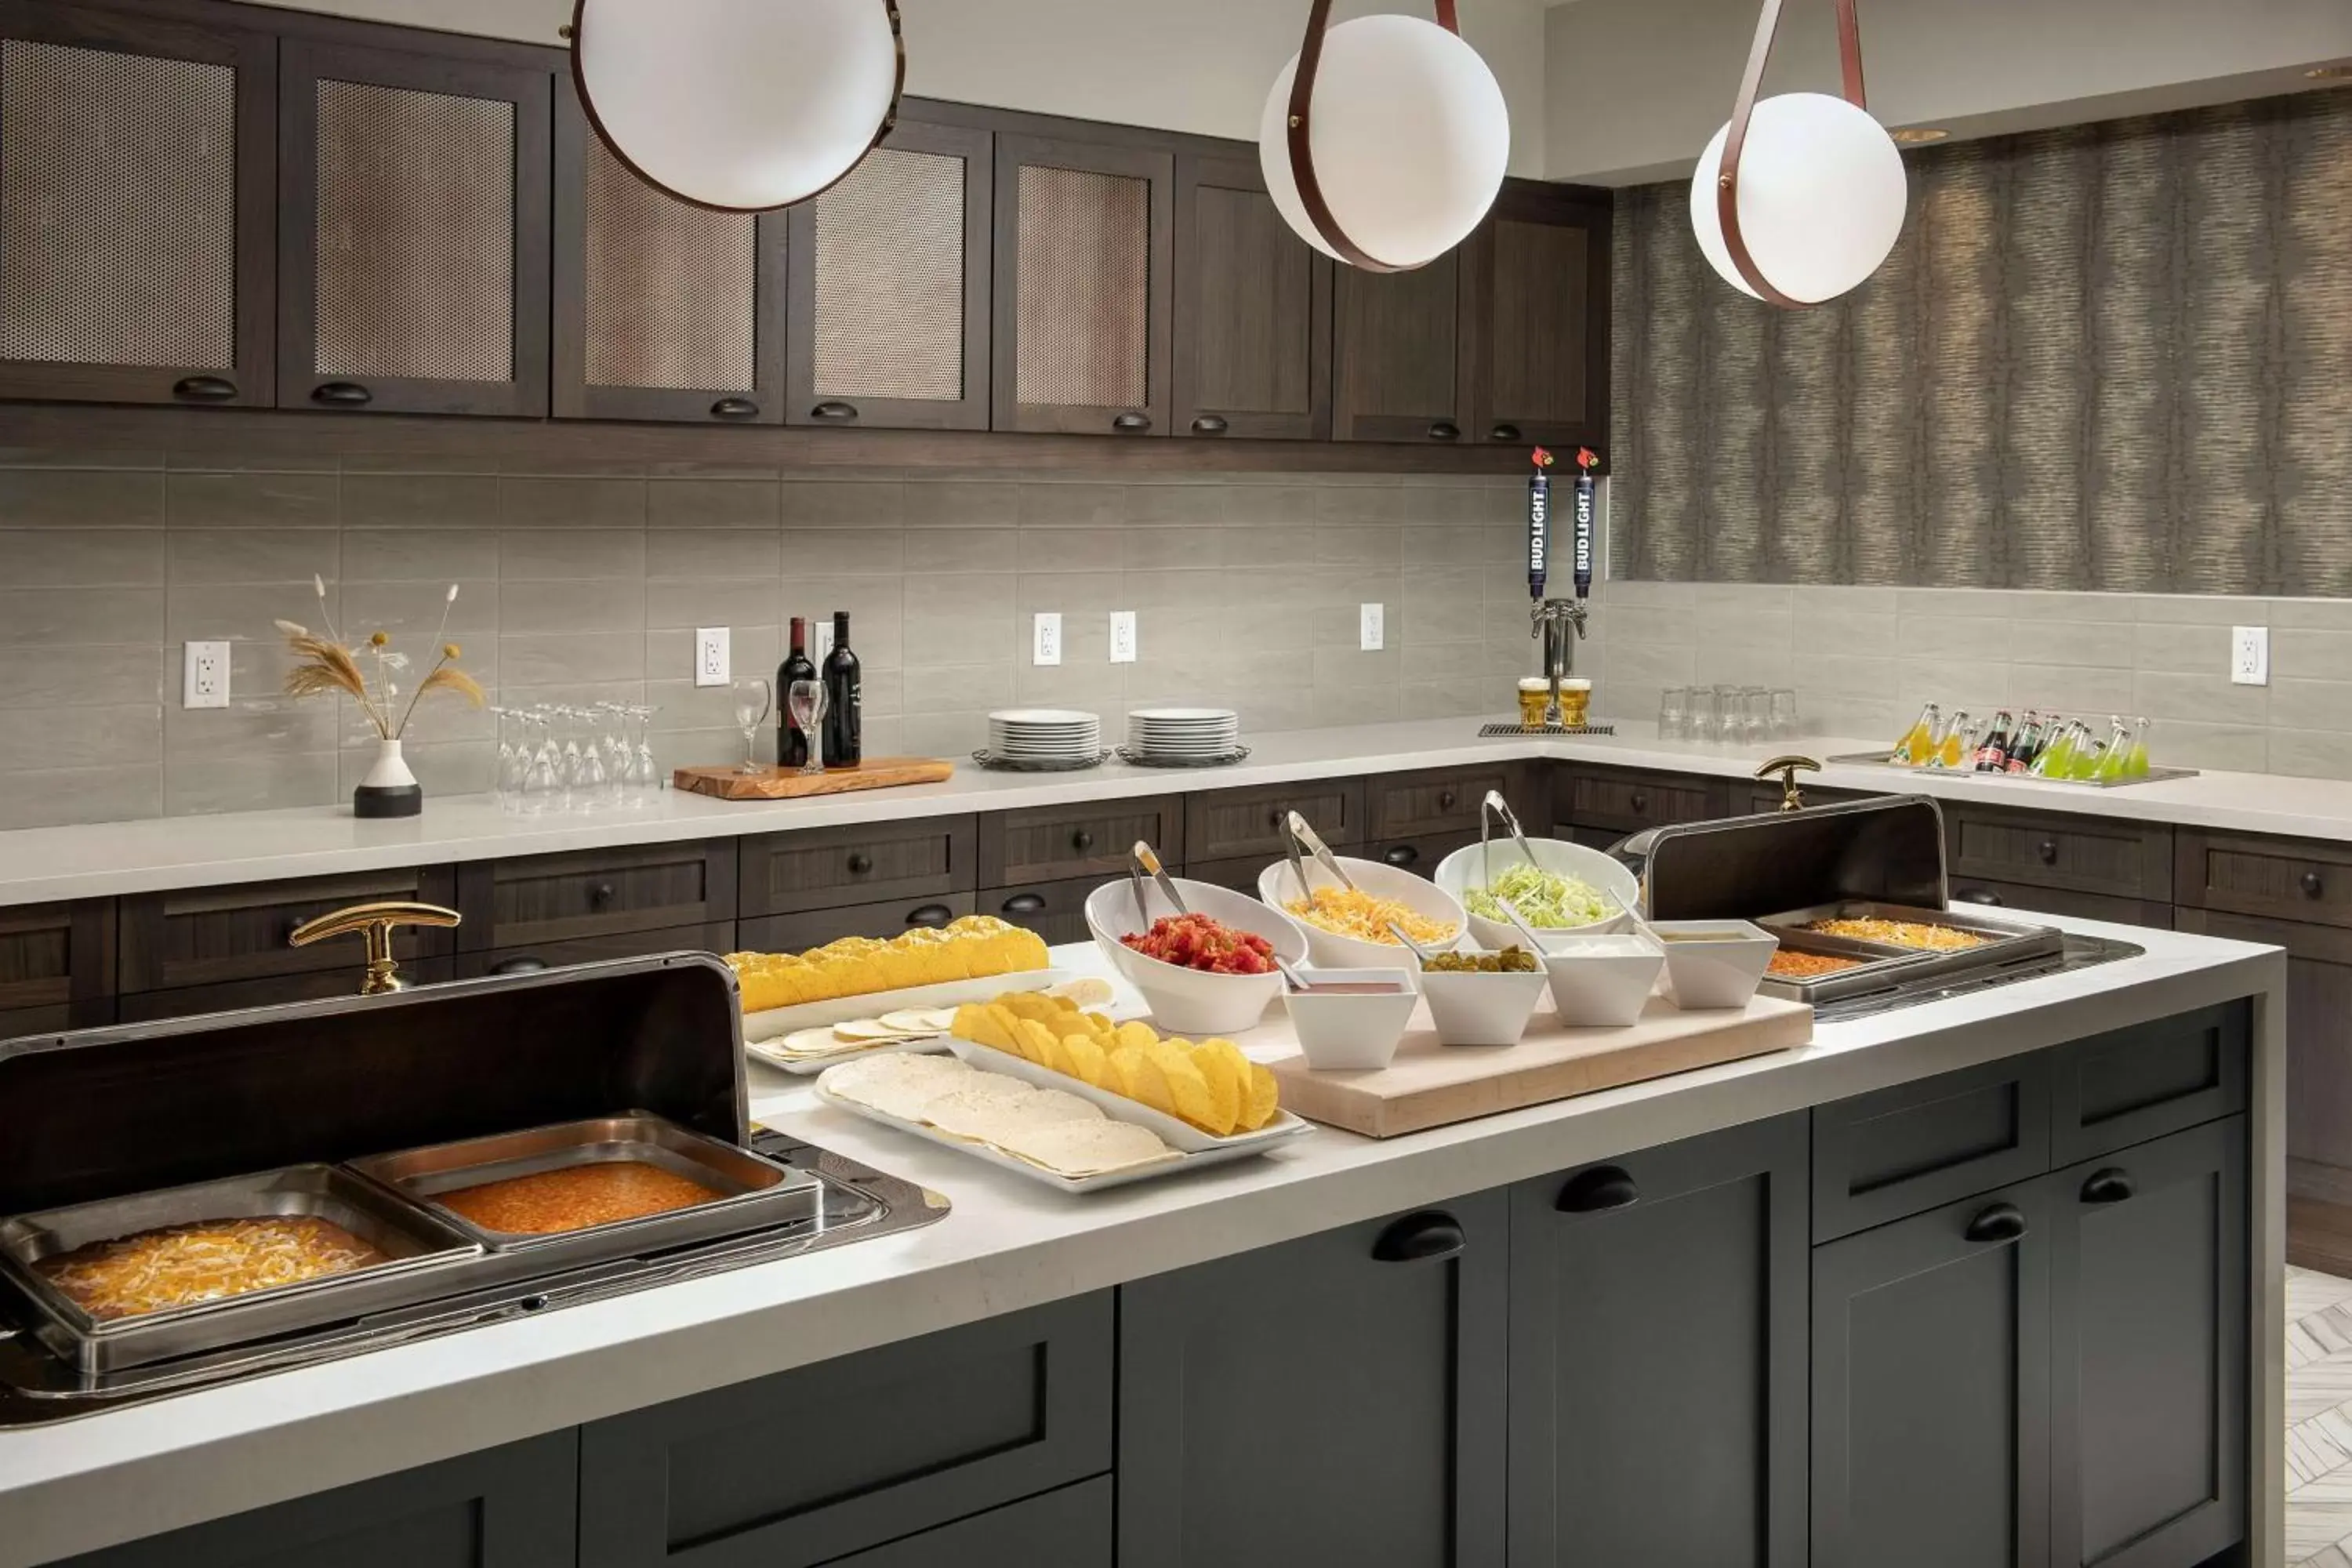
[1534, 943]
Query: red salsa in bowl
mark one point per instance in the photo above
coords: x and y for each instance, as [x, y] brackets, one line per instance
[1196, 941]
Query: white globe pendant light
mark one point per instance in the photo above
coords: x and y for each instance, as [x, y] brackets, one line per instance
[742, 105]
[1799, 198]
[1406, 136]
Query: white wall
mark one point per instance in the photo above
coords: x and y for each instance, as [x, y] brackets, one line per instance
[1638, 86]
[1202, 66]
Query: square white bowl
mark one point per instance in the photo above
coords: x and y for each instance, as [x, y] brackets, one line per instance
[1714, 963]
[1474, 1009]
[1351, 1034]
[1602, 981]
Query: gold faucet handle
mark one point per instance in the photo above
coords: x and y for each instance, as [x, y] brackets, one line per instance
[375, 923]
[1791, 797]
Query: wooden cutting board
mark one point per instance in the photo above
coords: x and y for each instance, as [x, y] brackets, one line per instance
[1430, 1085]
[784, 784]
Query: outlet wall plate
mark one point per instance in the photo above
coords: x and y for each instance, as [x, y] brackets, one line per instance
[2250, 656]
[1046, 645]
[1122, 636]
[712, 658]
[1372, 627]
[204, 675]
[824, 642]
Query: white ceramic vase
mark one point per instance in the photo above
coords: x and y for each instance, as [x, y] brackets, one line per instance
[389, 789]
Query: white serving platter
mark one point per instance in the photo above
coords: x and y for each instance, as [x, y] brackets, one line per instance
[779, 1021]
[1117, 1010]
[1179, 1135]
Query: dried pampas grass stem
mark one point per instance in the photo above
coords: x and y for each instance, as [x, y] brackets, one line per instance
[324, 664]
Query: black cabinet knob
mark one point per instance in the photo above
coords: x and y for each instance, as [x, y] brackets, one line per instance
[735, 408]
[1131, 423]
[1024, 903]
[1639, 801]
[1209, 425]
[601, 894]
[860, 863]
[2111, 1185]
[2312, 884]
[2000, 1222]
[1504, 433]
[522, 963]
[1274, 817]
[205, 389]
[931, 915]
[1601, 1188]
[1401, 855]
[2048, 850]
[1445, 430]
[842, 411]
[342, 394]
[1082, 840]
[1977, 896]
[1418, 1237]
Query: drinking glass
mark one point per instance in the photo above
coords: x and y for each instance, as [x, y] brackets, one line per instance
[543, 790]
[1784, 714]
[650, 778]
[1673, 713]
[514, 758]
[752, 702]
[1705, 714]
[1755, 714]
[806, 703]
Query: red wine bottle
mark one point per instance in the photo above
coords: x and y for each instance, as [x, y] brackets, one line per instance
[792, 740]
[844, 723]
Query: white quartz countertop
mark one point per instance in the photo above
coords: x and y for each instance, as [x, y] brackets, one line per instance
[1008, 1244]
[45, 863]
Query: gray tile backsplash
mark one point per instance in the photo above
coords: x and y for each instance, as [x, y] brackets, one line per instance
[586, 585]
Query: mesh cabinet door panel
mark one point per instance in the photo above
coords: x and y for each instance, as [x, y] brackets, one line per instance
[134, 261]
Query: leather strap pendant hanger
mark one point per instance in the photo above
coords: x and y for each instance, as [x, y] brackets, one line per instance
[1302, 150]
[1727, 184]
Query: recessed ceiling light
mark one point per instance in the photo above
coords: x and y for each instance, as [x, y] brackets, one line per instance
[2330, 73]
[1912, 135]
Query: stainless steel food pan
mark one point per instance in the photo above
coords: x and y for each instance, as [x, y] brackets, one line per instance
[754, 1191]
[424, 1252]
[1887, 965]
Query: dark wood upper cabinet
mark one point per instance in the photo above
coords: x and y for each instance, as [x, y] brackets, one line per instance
[1253, 325]
[1401, 362]
[1083, 290]
[414, 219]
[664, 310]
[1541, 330]
[136, 206]
[889, 286]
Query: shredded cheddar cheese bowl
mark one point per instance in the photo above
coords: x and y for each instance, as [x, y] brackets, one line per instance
[1350, 928]
[1366, 917]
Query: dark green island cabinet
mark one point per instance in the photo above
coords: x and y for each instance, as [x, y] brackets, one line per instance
[1991, 1319]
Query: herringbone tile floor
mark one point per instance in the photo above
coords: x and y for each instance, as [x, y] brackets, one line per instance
[2318, 1420]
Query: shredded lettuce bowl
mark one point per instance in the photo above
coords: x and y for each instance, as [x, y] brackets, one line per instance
[1548, 901]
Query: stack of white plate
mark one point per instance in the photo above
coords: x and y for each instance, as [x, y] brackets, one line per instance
[1184, 734]
[1044, 735]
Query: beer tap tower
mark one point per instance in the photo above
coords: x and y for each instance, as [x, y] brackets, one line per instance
[1552, 619]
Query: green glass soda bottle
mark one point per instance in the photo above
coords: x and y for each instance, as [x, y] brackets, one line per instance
[2058, 757]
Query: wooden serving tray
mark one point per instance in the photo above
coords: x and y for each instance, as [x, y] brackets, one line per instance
[788, 783]
[1430, 1085]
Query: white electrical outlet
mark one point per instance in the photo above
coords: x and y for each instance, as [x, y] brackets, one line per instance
[824, 642]
[205, 675]
[1122, 636]
[710, 656]
[1369, 624]
[1046, 645]
[2250, 656]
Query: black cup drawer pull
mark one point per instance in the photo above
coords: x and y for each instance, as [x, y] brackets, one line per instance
[521, 963]
[1977, 896]
[1445, 430]
[735, 408]
[342, 394]
[1504, 433]
[1418, 1237]
[1024, 904]
[1132, 424]
[1598, 1190]
[2311, 885]
[1401, 855]
[931, 915]
[860, 862]
[1210, 425]
[2000, 1222]
[834, 410]
[205, 389]
[2108, 1186]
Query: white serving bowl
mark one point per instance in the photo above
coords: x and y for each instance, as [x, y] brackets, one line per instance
[1189, 1001]
[1602, 981]
[1714, 964]
[1474, 1009]
[1276, 885]
[1466, 868]
[1351, 1033]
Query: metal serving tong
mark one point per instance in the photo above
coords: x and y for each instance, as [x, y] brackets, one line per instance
[1141, 860]
[1492, 807]
[1301, 835]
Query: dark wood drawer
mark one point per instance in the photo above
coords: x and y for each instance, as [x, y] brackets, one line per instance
[814, 927]
[2114, 856]
[1240, 873]
[1766, 797]
[1419, 854]
[2285, 878]
[1240, 824]
[914, 1436]
[1067, 1528]
[209, 936]
[15, 1023]
[2030, 901]
[559, 898]
[1442, 800]
[1903, 1150]
[717, 937]
[2128, 1086]
[1054, 911]
[270, 990]
[1017, 847]
[830, 867]
[55, 955]
[1629, 802]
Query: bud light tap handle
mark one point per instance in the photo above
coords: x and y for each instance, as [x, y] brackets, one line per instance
[1586, 461]
[1538, 525]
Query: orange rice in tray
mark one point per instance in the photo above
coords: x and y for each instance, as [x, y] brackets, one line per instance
[575, 1197]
